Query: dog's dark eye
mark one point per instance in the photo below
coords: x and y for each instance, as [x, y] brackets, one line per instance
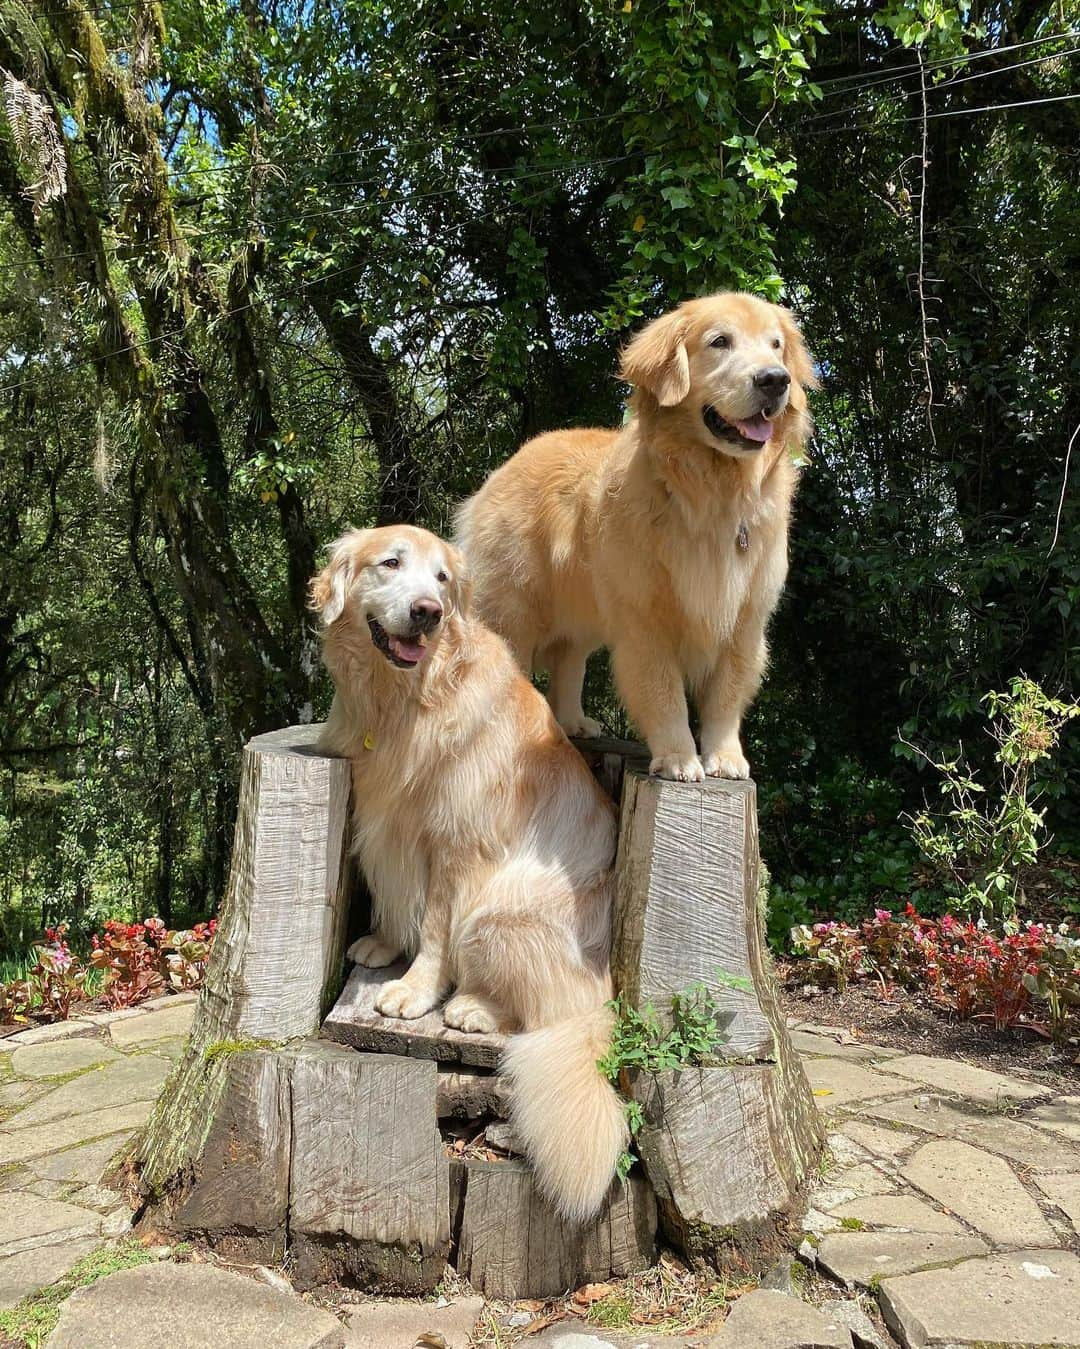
[441, 576]
[776, 343]
[390, 562]
[721, 340]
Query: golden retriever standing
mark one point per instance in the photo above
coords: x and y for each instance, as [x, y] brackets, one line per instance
[485, 841]
[665, 541]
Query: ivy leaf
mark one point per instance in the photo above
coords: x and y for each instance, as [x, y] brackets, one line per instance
[677, 198]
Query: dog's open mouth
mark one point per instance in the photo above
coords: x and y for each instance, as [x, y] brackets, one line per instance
[404, 652]
[748, 435]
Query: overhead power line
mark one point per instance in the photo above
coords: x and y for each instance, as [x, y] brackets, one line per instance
[950, 112]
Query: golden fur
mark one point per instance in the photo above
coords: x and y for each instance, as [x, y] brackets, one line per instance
[664, 541]
[485, 841]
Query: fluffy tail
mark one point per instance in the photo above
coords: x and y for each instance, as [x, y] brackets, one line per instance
[566, 1114]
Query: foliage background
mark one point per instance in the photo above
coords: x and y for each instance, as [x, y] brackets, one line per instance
[267, 269]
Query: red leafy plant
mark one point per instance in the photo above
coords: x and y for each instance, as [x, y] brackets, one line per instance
[137, 960]
[1010, 978]
[52, 983]
[56, 979]
[141, 959]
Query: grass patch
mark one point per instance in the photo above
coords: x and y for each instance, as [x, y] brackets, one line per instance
[613, 1312]
[223, 1049]
[853, 1224]
[31, 1321]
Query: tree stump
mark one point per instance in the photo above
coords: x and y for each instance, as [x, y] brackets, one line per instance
[364, 1144]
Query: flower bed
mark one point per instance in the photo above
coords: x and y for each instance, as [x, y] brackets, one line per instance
[135, 961]
[1028, 976]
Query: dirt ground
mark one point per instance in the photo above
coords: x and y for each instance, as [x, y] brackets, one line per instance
[910, 1022]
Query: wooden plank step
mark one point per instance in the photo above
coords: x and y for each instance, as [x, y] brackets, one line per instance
[354, 1021]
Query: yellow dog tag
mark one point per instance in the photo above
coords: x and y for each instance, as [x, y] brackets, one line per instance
[369, 740]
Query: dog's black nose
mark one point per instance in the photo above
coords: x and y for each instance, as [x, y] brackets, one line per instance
[773, 379]
[426, 614]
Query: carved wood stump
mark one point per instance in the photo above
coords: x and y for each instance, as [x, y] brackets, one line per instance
[373, 1149]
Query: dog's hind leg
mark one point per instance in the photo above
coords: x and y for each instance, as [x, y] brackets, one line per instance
[565, 661]
[473, 1012]
[528, 965]
[374, 951]
[566, 1114]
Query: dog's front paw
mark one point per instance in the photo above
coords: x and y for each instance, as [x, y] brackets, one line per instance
[400, 999]
[678, 767]
[464, 1012]
[583, 727]
[372, 952]
[727, 763]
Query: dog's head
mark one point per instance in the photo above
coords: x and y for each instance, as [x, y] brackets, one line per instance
[738, 360]
[396, 588]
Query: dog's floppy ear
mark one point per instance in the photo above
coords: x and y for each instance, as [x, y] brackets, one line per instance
[329, 590]
[796, 357]
[656, 360]
[461, 586]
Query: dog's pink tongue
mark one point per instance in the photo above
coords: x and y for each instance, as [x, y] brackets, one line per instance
[406, 650]
[757, 428]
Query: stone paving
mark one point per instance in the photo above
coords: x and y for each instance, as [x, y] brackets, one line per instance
[946, 1214]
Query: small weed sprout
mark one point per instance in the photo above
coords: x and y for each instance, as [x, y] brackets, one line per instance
[642, 1041]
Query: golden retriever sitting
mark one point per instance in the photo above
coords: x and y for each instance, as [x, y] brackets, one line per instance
[485, 841]
[665, 541]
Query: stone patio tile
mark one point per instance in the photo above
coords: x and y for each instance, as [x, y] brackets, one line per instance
[106, 1017]
[58, 1030]
[1064, 1192]
[167, 1023]
[86, 1163]
[982, 1190]
[170, 1049]
[15, 1178]
[855, 1182]
[28, 1271]
[962, 1079]
[884, 1143]
[836, 1033]
[764, 1317]
[1025, 1298]
[382, 1325]
[168, 1000]
[806, 1042]
[58, 1057]
[46, 1189]
[26, 1220]
[14, 1094]
[820, 1223]
[900, 1211]
[1062, 1116]
[97, 1197]
[856, 1258]
[838, 1083]
[116, 1084]
[864, 1333]
[570, 1336]
[22, 1144]
[1032, 1148]
[165, 1306]
[843, 1151]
